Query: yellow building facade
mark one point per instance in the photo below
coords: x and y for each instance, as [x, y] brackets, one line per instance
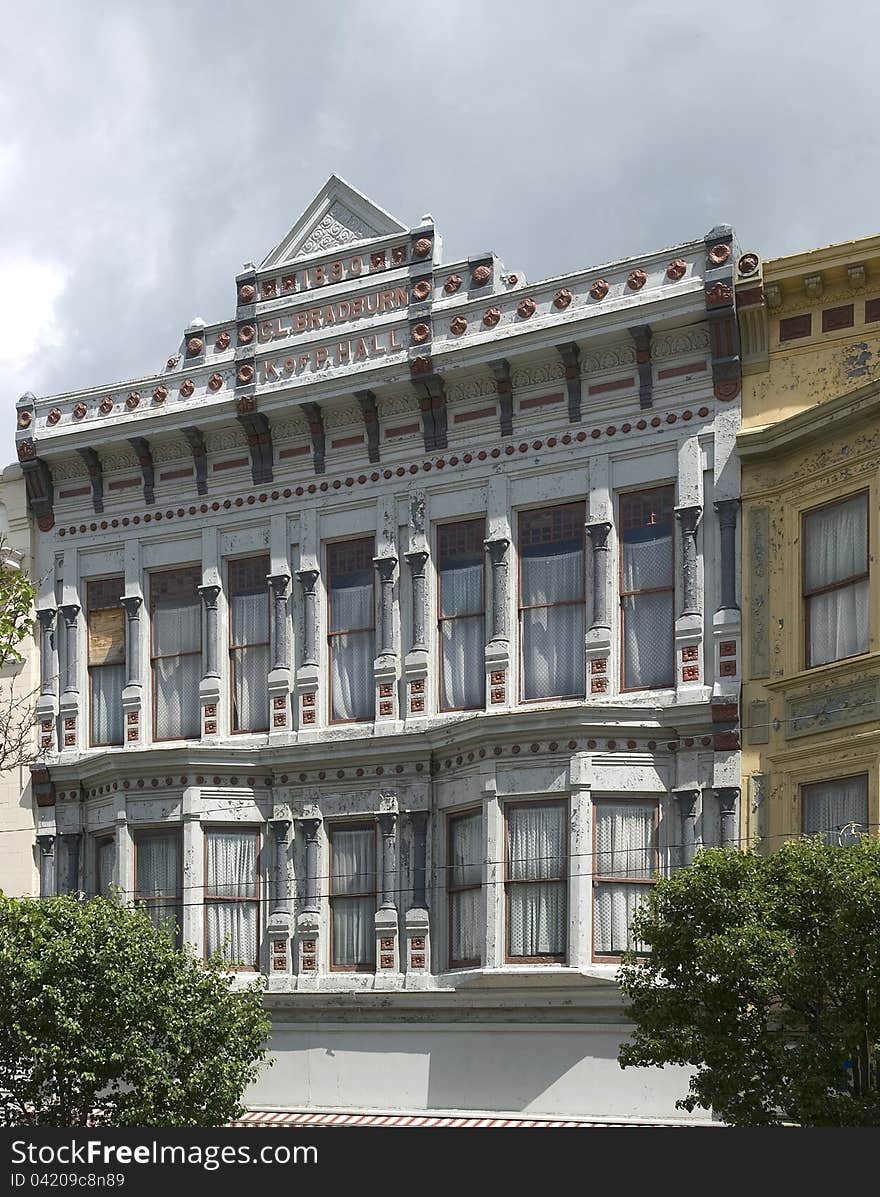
[809, 449]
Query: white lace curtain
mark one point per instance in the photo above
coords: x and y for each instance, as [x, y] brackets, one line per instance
[158, 876]
[647, 618]
[836, 541]
[553, 636]
[352, 653]
[465, 869]
[831, 805]
[177, 630]
[536, 854]
[106, 862]
[463, 671]
[625, 847]
[107, 682]
[249, 629]
[353, 873]
[231, 874]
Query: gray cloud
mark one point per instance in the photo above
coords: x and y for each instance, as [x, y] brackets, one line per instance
[150, 148]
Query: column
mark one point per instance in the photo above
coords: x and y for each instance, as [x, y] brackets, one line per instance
[687, 811]
[47, 865]
[726, 622]
[385, 665]
[132, 694]
[688, 518]
[69, 704]
[209, 687]
[308, 923]
[417, 921]
[279, 675]
[728, 803]
[47, 702]
[415, 665]
[307, 674]
[728, 512]
[689, 623]
[278, 926]
[498, 646]
[386, 916]
[599, 633]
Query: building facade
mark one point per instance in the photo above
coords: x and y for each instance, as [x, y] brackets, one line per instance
[397, 634]
[810, 452]
[19, 682]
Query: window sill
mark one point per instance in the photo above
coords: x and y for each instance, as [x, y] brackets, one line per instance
[821, 673]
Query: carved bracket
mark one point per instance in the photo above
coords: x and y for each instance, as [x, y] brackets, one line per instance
[96, 477]
[367, 401]
[145, 461]
[504, 387]
[259, 441]
[641, 335]
[196, 443]
[316, 428]
[571, 358]
[432, 404]
[38, 483]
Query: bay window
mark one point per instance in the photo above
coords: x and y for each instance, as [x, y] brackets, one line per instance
[105, 619]
[828, 807]
[176, 625]
[535, 882]
[353, 897]
[158, 876]
[232, 896]
[625, 867]
[647, 588]
[352, 629]
[835, 580]
[462, 618]
[249, 643]
[551, 601]
[464, 887]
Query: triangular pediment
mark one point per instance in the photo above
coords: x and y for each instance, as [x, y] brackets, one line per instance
[339, 216]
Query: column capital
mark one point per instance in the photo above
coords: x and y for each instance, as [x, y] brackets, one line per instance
[310, 828]
[47, 844]
[727, 511]
[278, 583]
[210, 593]
[280, 829]
[688, 518]
[727, 797]
[598, 531]
[385, 567]
[417, 559]
[387, 821]
[687, 801]
[497, 548]
[307, 579]
[70, 611]
[132, 604]
[46, 617]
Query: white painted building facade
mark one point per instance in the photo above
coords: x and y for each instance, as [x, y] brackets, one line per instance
[396, 639]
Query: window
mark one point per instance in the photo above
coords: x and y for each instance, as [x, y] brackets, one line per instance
[647, 588]
[464, 884]
[353, 897]
[249, 643]
[460, 557]
[105, 865]
[829, 806]
[232, 896]
[551, 615]
[625, 866]
[157, 879]
[836, 580]
[176, 613]
[106, 659]
[352, 633]
[535, 882]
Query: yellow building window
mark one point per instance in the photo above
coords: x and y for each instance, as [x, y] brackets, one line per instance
[835, 580]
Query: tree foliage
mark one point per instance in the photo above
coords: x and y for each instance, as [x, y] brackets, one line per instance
[764, 978]
[104, 1022]
[16, 708]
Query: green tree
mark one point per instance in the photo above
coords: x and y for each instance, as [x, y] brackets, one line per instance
[104, 1022]
[764, 978]
[16, 622]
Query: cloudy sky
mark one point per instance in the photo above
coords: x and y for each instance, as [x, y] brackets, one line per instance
[148, 148]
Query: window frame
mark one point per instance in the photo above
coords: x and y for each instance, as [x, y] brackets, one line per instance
[451, 817]
[332, 826]
[90, 583]
[329, 547]
[441, 619]
[598, 879]
[232, 649]
[564, 881]
[102, 839]
[806, 595]
[826, 781]
[196, 570]
[246, 829]
[520, 607]
[176, 832]
[623, 594]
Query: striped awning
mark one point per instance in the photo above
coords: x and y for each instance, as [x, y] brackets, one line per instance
[328, 1118]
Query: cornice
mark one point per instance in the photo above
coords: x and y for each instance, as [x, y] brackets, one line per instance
[812, 424]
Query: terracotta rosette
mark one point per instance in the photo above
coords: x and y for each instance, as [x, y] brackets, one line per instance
[420, 365]
[452, 284]
[422, 247]
[24, 419]
[562, 299]
[26, 450]
[526, 308]
[79, 411]
[288, 283]
[377, 260]
[398, 255]
[245, 375]
[480, 276]
[676, 270]
[719, 254]
[215, 382]
[458, 325]
[194, 346]
[270, 288]
[421, 290]
[748, 264]
[246, 334]
[718, 293]
[160, 394]
[132, 401]
[636, 279]
[491, 317]
[187, 387]
[419, 334]
[105, 407]
[222, 341]
[247, 293]
[599, 289]
[54, 415]
[171, 363]
[512, 280]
